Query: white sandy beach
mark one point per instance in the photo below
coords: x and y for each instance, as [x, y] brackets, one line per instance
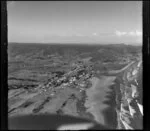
[96, 95]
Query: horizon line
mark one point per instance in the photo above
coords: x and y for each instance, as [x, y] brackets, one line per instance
[104, 43]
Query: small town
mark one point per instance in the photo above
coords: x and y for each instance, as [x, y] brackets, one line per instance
[76, 78]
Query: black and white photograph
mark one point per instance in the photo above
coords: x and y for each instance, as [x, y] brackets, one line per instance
[75, 65]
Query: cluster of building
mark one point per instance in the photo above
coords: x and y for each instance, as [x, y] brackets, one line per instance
[77, 78]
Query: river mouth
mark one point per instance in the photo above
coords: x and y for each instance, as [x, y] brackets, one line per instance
[101, 102]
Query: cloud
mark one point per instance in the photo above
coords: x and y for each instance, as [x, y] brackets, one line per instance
[95, 34]
[131, 33]
[138, 33]
[119, 33]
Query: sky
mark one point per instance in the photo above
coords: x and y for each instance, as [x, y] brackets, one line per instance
[98, 22]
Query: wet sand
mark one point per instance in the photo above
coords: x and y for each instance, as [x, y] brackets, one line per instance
[100, 100]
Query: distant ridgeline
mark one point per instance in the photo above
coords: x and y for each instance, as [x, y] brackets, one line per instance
[41, 51]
